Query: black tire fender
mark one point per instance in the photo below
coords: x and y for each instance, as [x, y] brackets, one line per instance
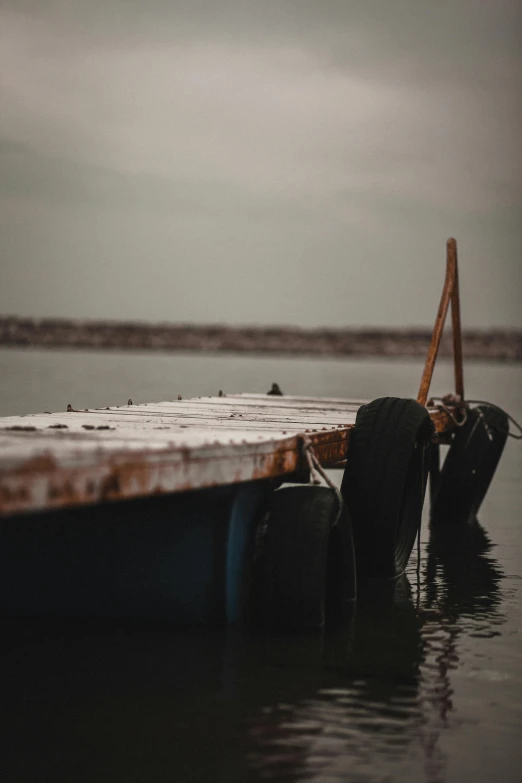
[470, 465]
[307, 568]
[384, 483]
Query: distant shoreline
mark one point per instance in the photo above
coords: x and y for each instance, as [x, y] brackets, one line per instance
[503, 345]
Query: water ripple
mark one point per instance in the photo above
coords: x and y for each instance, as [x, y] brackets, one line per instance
[388, 714]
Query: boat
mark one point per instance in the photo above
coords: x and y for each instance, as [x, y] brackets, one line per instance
[222, 510]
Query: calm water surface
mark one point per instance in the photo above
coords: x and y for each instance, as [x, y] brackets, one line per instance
[425, 684]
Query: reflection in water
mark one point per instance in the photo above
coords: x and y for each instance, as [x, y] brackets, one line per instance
[370, 703]
[462, 580]
[461, 595]
[360, 714]
[392, 699]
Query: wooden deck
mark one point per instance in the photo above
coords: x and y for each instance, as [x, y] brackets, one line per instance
[53, 460]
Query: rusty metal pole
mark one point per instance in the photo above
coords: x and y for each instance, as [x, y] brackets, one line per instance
[455, 323]
[447, 293]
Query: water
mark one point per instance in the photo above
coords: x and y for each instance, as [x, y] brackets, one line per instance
[425, 684]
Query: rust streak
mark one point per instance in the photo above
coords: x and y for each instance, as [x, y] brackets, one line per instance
[43, 463]
[110, 487]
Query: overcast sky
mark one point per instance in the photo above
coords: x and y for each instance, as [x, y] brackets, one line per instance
[252, 161]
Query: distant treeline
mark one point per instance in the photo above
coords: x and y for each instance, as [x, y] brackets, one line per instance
[499, 344]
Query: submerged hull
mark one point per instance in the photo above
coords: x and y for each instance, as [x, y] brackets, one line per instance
[178, 558]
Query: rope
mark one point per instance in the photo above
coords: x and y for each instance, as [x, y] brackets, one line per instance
[510, 418]
[423, 468]
[315, 468]
[456, 402]
[314, 464]
[463, 405]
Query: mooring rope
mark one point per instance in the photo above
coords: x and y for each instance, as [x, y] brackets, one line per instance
[510, 418]
[314, 464]
[464, 405]
[423, 468]
[315, 468]
[456, 402]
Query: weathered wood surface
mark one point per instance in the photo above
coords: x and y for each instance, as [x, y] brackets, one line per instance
[59, 459]
[52, 460]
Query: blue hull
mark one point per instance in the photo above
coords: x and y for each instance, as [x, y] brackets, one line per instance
[184, 558]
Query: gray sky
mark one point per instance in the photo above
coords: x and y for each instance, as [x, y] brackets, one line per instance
[260, 162]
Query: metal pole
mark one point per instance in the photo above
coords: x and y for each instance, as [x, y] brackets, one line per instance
[447, 293]
[455, 323]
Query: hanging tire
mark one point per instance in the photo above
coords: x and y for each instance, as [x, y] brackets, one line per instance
[306, 571]
[469, 466]
[384, 483]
